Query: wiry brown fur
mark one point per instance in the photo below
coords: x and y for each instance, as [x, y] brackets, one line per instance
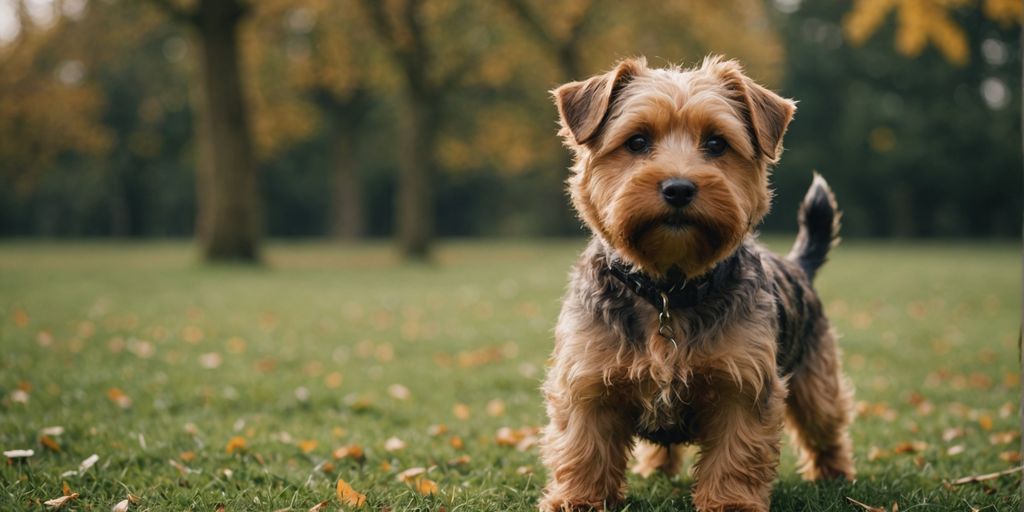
[755, 353]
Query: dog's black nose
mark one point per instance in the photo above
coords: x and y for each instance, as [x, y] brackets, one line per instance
[678, 192]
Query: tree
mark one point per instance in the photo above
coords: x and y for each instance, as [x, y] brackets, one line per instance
[428, 79]
[228, 223]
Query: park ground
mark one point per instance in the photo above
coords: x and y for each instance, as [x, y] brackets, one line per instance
[261, 388]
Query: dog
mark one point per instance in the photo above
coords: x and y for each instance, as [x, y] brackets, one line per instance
[678, 327]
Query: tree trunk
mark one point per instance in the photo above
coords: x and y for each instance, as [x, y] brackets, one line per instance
[229, 220]
[415, 200]
[346, 187]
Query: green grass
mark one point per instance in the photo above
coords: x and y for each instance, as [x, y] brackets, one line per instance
[928, 330]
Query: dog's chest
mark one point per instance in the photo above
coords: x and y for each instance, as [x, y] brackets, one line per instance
[669, 413]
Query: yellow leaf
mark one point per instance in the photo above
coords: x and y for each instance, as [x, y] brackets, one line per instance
[426, 487]
[235, 444]
[348, 496]
[461, 411]
[308, 445]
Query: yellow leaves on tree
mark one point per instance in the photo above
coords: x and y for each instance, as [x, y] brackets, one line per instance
[919, 22]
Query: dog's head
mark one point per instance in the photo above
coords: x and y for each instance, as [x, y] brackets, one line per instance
[671, 165]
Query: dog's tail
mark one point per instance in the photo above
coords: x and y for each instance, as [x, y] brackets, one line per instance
[819, 227]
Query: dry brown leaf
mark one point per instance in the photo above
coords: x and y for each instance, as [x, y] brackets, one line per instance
[319, 507]
[187, 456]
[988, 476]
[348, 496]
[66, 489]
[122, 506]
[910, 447]
[49, 443]
[436, 430]
[235, 444]
[956, 450]
[461, 411]
[456, 442]
[524, 470]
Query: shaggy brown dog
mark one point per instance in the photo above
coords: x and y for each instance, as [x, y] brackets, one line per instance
[678, 326]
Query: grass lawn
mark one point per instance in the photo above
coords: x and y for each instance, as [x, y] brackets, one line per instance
[200, 386]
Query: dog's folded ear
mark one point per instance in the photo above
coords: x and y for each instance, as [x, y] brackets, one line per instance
[768, 114]
[582, 106]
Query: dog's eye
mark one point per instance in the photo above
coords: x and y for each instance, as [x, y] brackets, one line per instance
[715, 145]
[638, 143]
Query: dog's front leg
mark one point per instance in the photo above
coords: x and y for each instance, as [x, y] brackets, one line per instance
[585, 447]
[740, 450]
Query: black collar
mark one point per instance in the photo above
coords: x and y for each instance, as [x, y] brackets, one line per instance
[679, 292]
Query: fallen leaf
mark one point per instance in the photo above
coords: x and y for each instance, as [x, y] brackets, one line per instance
[59, 503]
[410, 474]
[348, 496]
[235, 444]
[1003, 437]
[327, 468]
[308, 445]
[118, 397]
[187, 456]
[524, 470]
[394, 444]
[1012, 457]
[456, 442]
[952, 433]
[89, 462]
[122, 506]
[52, 431]
[49, 443]
[496, 408]
[353, 451]
[865, 506]
[956, 450]
[910, 447]
[876, 453]
[459, 461]
[461, 411]
[319, 507]
[19, 396]
[19, 454]
[399, 392]
[436, 430]
[985, 421]
[210, 360]
[426, 487]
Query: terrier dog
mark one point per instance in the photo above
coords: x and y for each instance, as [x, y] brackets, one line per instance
[678, 326]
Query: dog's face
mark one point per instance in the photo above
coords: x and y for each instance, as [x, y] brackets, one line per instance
[672, 164]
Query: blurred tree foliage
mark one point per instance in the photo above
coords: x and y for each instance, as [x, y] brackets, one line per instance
[434, 114]
[921, 141]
